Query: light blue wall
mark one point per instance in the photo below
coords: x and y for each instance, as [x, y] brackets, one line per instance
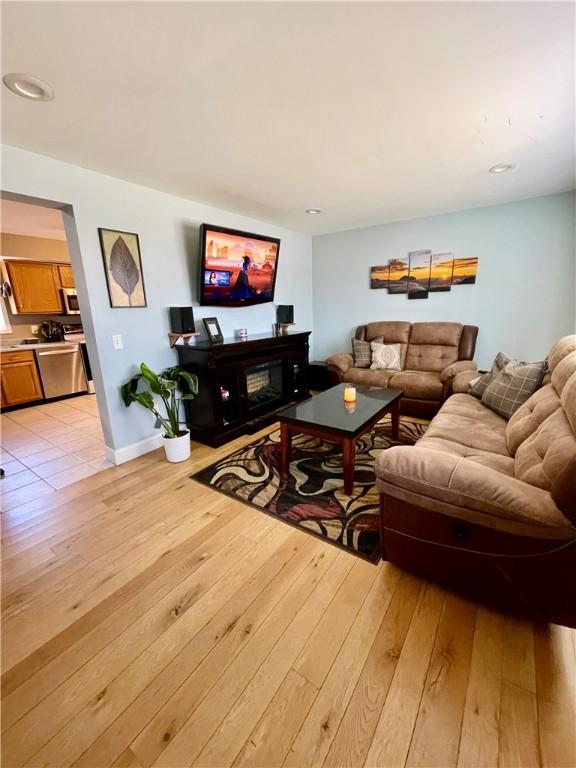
[168, 230]
[524, 297]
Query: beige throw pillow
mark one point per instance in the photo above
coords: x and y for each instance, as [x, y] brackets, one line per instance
[385, 357]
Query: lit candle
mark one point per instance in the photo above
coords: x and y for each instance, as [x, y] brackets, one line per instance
[349, 394]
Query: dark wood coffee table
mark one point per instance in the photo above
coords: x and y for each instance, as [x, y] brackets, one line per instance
[327, 416]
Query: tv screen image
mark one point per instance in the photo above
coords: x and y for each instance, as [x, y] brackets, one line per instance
[217, 278]
[237, 267]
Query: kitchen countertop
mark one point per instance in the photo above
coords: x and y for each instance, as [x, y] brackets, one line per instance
[39, 345]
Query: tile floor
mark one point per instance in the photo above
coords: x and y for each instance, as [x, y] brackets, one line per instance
[49, 446]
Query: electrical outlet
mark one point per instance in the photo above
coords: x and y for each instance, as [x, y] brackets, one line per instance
[117, 341]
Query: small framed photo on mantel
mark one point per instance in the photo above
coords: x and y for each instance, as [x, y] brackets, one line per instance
[213, 330]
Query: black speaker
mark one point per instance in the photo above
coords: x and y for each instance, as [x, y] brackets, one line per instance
[285, 313]
[181, 320]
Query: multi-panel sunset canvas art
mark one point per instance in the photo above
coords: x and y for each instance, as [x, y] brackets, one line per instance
[423, 272]
[465, 271]
[398, 275]
[379, 276]
[419, 274]
[441, 268]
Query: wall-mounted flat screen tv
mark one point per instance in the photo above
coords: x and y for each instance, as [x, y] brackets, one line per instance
[237, 268]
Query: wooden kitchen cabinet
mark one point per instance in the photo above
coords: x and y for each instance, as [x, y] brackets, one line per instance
[66, 276]
[19, 379]
[35, 287]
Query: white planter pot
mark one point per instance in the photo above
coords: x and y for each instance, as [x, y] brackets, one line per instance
[177, 448]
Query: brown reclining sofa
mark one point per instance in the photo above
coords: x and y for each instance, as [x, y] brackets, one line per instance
[431, 356]
[487, 506]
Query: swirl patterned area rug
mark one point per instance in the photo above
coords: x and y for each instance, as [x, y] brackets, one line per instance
[313, 497]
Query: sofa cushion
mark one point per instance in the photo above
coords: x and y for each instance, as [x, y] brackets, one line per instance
[442, 334]
[459, 487]
[421, 385]
[385, 357]
[464, 421]
[560, 350]
[430, 357]
[563, 372]
[368, 377]
[543, 456]
[544, 432]
[392, 332]
[362, 353]
[497, 461]
[549, 399]
[511, 387]
[530, 415]
[433, 346]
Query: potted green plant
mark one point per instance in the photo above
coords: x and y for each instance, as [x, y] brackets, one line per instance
[170, 387]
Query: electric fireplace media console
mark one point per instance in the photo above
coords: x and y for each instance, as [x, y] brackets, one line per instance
[242, 384]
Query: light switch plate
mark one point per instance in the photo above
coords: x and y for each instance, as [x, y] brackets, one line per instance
[117, 341]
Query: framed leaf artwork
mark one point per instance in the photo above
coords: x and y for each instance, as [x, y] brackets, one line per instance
[123, 267]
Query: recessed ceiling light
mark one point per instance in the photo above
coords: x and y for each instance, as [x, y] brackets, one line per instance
[313, 211]
[28, 86]
[501, 167]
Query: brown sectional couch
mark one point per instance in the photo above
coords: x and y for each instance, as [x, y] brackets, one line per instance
[488, 506]
[432, 354]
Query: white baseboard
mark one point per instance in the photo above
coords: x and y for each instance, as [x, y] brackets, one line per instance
[132, 451]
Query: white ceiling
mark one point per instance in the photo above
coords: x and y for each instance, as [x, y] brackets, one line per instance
[371, 111]
[33, 220]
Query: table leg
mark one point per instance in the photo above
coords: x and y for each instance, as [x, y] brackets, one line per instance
[349, 456]
[285, 448]
[395, 413]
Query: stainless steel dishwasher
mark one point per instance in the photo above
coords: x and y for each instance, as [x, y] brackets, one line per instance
[61, 370]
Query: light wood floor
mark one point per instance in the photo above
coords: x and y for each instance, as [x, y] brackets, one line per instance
[50, 446]
[151, 621]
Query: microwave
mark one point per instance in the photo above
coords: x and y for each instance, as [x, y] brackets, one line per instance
[70, 301]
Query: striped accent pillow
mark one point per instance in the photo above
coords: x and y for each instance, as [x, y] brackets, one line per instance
[510, 388]
[362, 352]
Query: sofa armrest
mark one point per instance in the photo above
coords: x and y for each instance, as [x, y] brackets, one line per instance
[448, 483]
[341, 362]
[454, 369]
[461, 382]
